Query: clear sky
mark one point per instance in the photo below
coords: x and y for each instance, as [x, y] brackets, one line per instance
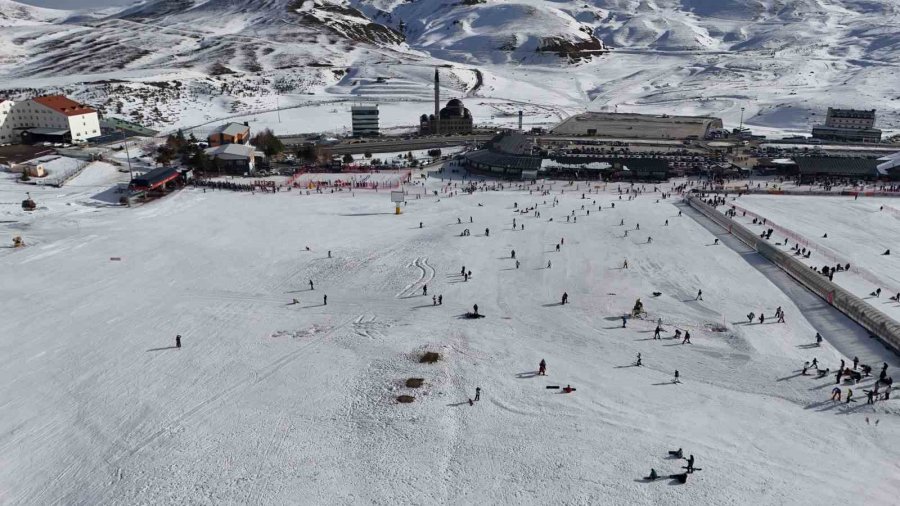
[76, 4]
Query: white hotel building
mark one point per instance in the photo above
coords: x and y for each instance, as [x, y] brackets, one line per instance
[47, 117]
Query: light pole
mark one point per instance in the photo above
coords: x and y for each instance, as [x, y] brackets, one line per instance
[127, 155]
[741, 128]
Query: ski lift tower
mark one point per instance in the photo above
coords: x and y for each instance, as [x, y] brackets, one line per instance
[397, 197]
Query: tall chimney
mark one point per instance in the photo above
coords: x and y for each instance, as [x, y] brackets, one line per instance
[437, 102]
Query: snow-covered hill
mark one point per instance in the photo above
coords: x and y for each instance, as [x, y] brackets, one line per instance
[189, 62]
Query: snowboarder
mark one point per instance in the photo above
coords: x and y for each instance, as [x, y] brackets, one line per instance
[676, 380]
[637, 227]
[512, 254]
[542, 368]
[849, 395]
[835, 394]
[311, 286]
[178, 341]
[638, 363]
[424, 289]
[656, 332]
[690, 464]
[568, 389]
[565, 298]
[715, 241]
[805, 367]
[557, 247]
[818, 339]
[477, 394]
[626, 264]
[699, 295]
[667, 223]
[434, 300]
[750, 317]
[676, 453]
[762, 318]
[687, 337]
[324, 300]
[517, 264]
[815, 363]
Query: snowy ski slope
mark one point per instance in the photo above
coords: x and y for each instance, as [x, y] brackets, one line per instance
[269, 402]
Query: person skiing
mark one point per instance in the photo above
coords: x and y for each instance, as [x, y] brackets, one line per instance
[667, 223]
[329, 253]
[699, 295]
[557, 247]
[434, 300]
[487, 232]
[623, 322]
[626, 264]
[835, 394]
[815, 363]
[178, 341]
[424, 289]
[781, 317]
[512, 254]
[542, 368]
[676, 380]
[762, 318]
[638, 363]
[818, 339]
[477, 394]
[870, 397]
[687, 337]
[805, 367]
[715, 241]
[440, 299]
[839, 373]
[517, 264]
[548, 264]
[649, 240]
[750, 317]
[656, 332]
[562, 240]
[690, 464]
[849, 395]
[855, 362]
[565, 298]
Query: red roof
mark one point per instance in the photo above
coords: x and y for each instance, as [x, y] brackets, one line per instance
[63, 105]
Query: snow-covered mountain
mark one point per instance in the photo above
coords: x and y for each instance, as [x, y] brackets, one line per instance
[780, 60]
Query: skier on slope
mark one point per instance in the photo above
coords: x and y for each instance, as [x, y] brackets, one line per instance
[690, 464]
[311, 286]
[178, 341]
[687, 337]
[565, 298]
[750, 317]
[638, 363]
[424, 289]
[542, 368]
[656, 332]
[699, 295]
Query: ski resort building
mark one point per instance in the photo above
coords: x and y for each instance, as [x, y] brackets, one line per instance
[638, 126]
[53, 118]
[230, 133]
[365, 120]
[848, 125]
[813, 168]
[235, 159]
